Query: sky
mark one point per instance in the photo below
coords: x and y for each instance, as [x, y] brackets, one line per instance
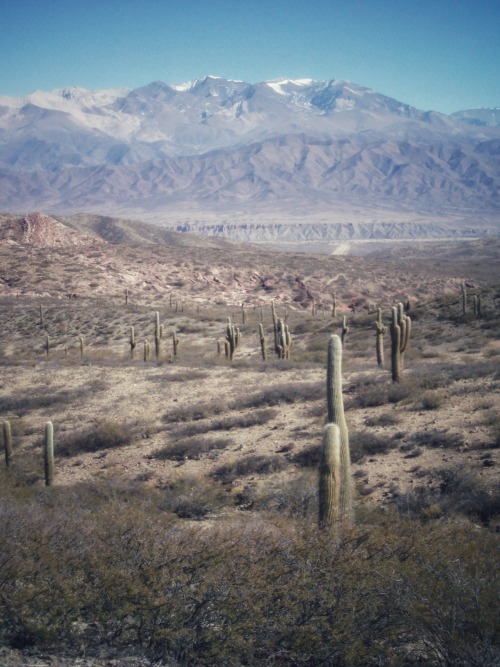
[441, 55]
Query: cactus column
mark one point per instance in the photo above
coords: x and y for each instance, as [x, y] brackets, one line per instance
[132, 342]
[381, 330]
[345, 330]
[335, 304]
[232, 339]
[157, 335]
[400, 335]
[7, 443]
[336, 416]
[49, 454]
[262, 342]
[329, 476]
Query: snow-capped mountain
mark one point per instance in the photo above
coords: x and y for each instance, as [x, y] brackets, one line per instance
[213, 144]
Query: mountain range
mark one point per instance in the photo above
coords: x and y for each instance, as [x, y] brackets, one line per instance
[324, 159]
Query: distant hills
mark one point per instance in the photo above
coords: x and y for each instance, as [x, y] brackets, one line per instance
[246, 160]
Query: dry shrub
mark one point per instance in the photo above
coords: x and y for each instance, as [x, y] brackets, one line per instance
[192, 449]
[366, 443]
[193, 497]
[245, 420]
[431, 401]
[308, 457]
[249, 465]
[105, 435]
[94, 571]
[193, 412]
[385, 419]
[459, 491]
[438, 438]
[291, 392]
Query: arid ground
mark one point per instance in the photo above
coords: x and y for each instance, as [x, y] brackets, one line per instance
[216, 438]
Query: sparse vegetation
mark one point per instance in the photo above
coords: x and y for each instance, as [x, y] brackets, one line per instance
[181, 525]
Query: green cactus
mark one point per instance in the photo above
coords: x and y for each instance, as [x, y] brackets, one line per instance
[146, 350]
[275, 328]
[7, 443]
[345, 330]
[335, 305]
[395, 346]
[175, 343]
[232, 338]
[477, 305]
[284, 340]
[49, 454]
[381, 330]
[262, 342]
[157, 335]
[132, 342]
[336, 416]
[329, 477]
[400, 336]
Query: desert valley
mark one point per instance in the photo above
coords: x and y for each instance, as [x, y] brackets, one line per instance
[207, 468]
[177, 264]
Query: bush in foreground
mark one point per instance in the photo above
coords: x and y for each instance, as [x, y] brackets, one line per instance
[243, 591]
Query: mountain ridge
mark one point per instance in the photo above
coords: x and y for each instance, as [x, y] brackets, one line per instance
[214, 147]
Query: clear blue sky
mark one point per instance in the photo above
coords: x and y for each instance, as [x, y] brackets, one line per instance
[434, 54]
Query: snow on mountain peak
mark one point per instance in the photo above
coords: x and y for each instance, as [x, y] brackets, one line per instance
[278, 84]
[189, 85]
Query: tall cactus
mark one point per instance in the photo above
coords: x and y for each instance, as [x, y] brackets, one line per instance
[7, 443]
[381, 330]
[49, 454]
[284, 340]
[132, 342]
[175, 343]
[335, 305]
[275, 328]
[400, 336]
[336, 416]
[329, 477]
[157, 335]
[232, 339]
[262, 342]
[464, 299]
[345, 330]
[477, 305]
